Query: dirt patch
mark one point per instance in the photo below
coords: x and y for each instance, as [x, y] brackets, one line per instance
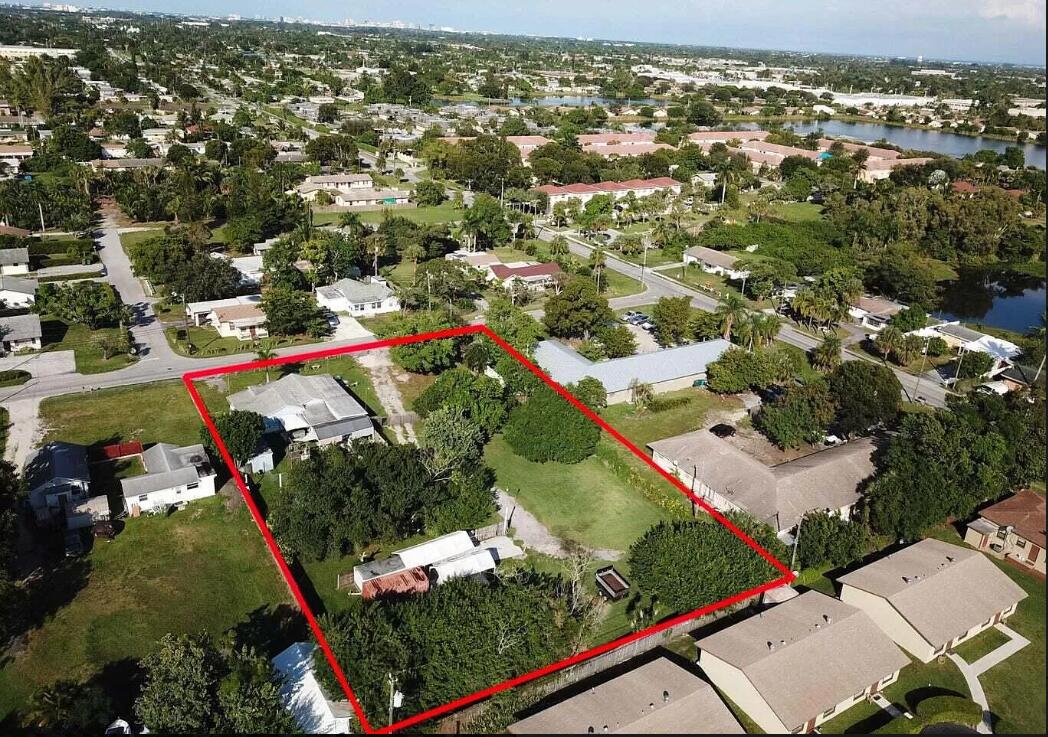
[751, 442]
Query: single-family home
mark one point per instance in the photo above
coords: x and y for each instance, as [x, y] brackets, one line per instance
[729, 478]
[371, 197]
[964, 339]
[533, 275]
[527, 144]
[665, 370]
[10, 231]
[618, 190]
[1020, 376]
[308, 408]
[243, 321]
[174, 476]
[57, 476]
[715, 262]
[250, 268]
[304, 698]
[708, 138]
[658, 697]
[127, 164]
[931, 596]
[333, 184]
[198, 311]
[20, 333]
[1013, 529]
[795, 665]
[14, 261]
[874, 312]
[14, 154]
[16, 291]
[371, 296]
[876, 169]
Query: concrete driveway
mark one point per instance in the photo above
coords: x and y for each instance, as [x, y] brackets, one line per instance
[51, 363]
[349, 329]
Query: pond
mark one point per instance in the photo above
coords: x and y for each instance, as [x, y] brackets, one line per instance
[943, 142]
[997, 298]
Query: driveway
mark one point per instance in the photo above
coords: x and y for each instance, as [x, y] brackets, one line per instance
[534, 535]
[646, 342]
[51, 363]
[22, 435]
[383, 377]
[349, 329]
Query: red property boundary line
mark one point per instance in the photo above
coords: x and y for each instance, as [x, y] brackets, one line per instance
[190, 377]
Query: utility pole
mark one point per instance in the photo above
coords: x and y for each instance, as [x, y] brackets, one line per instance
[395, 697]
[924, 358]
[796, 542]
[643, 263]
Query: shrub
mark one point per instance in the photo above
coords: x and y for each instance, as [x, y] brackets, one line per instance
[548, 428]
[956, 709]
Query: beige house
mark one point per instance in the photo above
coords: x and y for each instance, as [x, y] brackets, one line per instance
[731, 479]
[659, 697]
[795, 665]
[932, 596]
[715, 262]
[1012, 529]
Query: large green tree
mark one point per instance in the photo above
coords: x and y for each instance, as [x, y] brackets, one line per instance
[546, 427]
[578, 311]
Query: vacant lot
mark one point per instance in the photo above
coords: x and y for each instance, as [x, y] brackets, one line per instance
[585, 502]
[159, 412]
[673, 414]
[85, 343]
[201, 569]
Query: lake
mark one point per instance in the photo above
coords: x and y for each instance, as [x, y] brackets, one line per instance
[997, 298]
[943, 142]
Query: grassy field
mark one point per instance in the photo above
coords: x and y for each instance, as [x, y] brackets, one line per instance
[152, 413]
[201, 569]
[686, 410]
[585, 502]
[797, 212]
[127, 240]
[444, 213]
[85, 344]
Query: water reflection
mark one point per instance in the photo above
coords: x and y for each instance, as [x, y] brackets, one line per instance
[995, 297]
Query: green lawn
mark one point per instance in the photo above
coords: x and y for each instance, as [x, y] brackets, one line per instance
[686, 410]
[85, 344]
[204, 568]
[797, 212]
[127, 240]
[158, 412]
[983, 643]
[585, 502]
[207, 342]
[917, 682]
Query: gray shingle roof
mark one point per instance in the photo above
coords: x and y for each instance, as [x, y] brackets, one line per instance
[320, 400]
[659, 697]
[356, 292]
[11, 256]
[168, 466]
[56, 460]
[807, 654]
[942, 590]
[18, 284]
[710, 256]
[960, 332]
[566, 366]
[20, 327]
[827, 479]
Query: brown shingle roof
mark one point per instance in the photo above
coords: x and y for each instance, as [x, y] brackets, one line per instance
[1023, 511]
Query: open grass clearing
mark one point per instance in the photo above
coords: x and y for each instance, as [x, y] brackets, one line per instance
[85, 343]
[206, 342]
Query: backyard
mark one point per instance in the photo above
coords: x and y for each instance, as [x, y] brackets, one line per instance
[205, 568]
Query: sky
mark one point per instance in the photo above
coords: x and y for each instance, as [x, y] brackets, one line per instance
[969, 30]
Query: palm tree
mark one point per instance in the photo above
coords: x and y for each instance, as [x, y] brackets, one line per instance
[732, 311]
[598, 262]
[889, 341]
[558, 246]
[377, 245]
[641, 394]
[765, 328]
[827, 355]
[265, 351]
[40, 83]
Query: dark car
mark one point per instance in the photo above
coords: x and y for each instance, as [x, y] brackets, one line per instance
[722, 430]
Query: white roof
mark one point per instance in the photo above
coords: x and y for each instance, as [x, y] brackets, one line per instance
[205, 307]
[439, 549]
[302, 696]
[477, 560]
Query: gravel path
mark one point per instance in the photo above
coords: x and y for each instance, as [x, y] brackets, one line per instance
[535, 535]
[23, 429]
[383, 377]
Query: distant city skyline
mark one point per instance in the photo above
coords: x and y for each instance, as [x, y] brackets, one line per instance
[1011, 31]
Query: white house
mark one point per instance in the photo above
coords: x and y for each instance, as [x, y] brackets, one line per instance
[17, 292]
[371, 197]
[874, 312]
[250, 268]
[243, 322]
[173, 476]
[303, 697]
[715, 262]
[198, 311]
[333, 184]
[57, 477]
[308, 408]
[799, 663]
[372, 296]
[931, 596]
[14, 261]
[20, 333]
[14, 154]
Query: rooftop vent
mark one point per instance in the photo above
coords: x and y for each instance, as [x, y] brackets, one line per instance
[665, 696]
[828, 618]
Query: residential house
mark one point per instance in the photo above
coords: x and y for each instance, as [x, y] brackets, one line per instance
[14, 261]
[303, 696]
[666, 370]
[1012, 529]
[533, 275]
[198, 312]
[11, 231]
[371, 197]
[876, 169]
[1019, 376]
[729, 478]
[57, 477]
[372, 296]
[715, 262]
[931, 596]
[874, 312]
[20, 333]
[1003, 352]
[250, 268]
[527, 144]
[707, 138]
[174, 476]
[659, 697]
[333, 183]
[126, 164]
[13, 154]
[17, 292]
[618, 190]
[307, 408]
[243, 322]
[797, 664]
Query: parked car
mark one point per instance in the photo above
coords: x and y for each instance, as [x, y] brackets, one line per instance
[629, 316]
